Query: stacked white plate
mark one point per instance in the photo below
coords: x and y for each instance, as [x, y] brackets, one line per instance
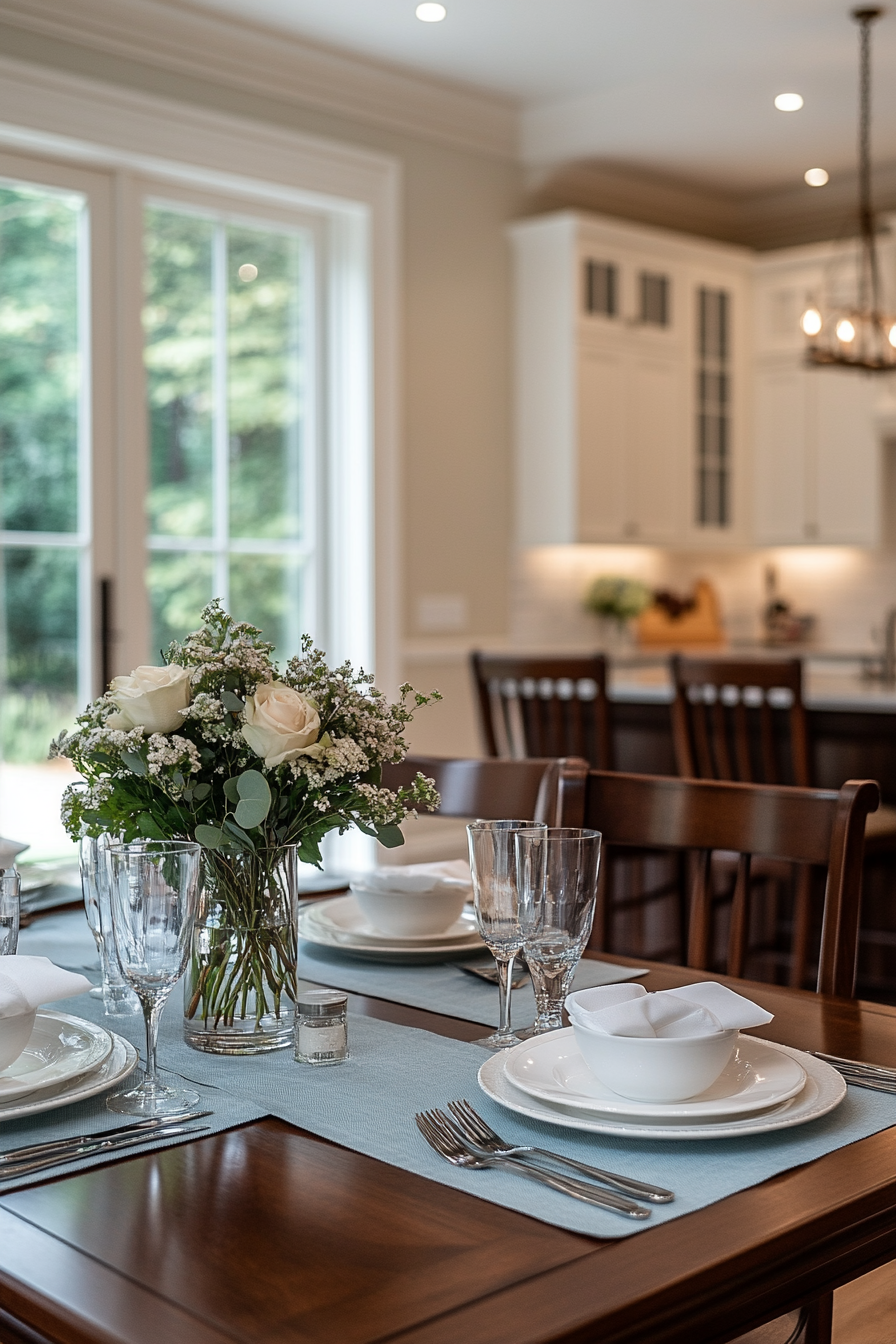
[340, 924]
[65, 1060]
[764, 1087]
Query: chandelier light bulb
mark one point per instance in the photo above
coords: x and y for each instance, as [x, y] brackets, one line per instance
[429, 13]
[816, 177]
[788, 102]
[811, 321]
[846, 332]
[891, 335]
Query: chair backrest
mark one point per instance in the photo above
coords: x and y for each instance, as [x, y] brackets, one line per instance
[490, 789]
[798, 825]
[543, 706]
[723, 719]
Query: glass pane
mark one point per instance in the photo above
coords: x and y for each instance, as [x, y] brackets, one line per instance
[179, 325]
[39, 645]
[180, 585]
[268, 591]
[263, 383]
[39, 363]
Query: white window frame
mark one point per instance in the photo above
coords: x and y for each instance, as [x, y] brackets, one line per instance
[136, 141]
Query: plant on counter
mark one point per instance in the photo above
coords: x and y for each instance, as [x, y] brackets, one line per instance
[618, 597]
[256, 764]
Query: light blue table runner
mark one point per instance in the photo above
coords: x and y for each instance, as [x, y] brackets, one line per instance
[368, 1105]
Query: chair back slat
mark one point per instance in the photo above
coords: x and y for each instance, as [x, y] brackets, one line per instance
[797, 825]
[544, 706]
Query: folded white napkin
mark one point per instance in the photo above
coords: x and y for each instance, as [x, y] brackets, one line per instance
[26, 982]
[418, 878]
[8, 851]
[692, 1010]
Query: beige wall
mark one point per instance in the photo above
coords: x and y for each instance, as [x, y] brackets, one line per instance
[456, 360]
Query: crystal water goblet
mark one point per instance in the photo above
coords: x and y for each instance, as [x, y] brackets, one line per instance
[495, 900]
[155, 898]
[557, 872]
[118, 998]
[10, 898]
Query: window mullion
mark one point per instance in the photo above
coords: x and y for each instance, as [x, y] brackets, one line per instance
[221, 427]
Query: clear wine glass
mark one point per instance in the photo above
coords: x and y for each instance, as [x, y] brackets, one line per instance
[118, 998]
[493, 867]
[10, 897]
[557, 871]
[155, 897]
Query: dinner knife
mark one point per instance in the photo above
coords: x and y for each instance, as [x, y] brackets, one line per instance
[137, 1126]
[103, 1146]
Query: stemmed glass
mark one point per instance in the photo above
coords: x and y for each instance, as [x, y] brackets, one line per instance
[493, 867]
[557, 870]
[118, 999]
[155, 897]
[10, 896]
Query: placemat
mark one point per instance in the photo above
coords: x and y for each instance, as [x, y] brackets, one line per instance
[368, 1105]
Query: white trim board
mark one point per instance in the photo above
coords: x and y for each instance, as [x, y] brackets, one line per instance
[66, 117]
[175, 36]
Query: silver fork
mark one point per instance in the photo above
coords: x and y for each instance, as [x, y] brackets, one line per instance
[442, 1135]
[475, 1128]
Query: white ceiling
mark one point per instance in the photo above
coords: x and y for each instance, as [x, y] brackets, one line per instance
[683, 87]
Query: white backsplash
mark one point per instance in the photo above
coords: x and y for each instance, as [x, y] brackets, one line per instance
[847, 589]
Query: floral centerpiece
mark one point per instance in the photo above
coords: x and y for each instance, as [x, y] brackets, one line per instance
[257, 765]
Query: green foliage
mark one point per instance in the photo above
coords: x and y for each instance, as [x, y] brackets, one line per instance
[618, 597]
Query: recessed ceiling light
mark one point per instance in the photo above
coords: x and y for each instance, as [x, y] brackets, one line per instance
[816, 177]
[431, 13]
[247, 272]
[788, 102]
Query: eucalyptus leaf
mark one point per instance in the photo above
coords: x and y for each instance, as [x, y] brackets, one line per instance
[232, 702]
[211, 837]
[252, 785]
[390, 837]
[366, 828]
[232, 829]
[250, 813]
[231, 793]
[134, 763]
[201, 791]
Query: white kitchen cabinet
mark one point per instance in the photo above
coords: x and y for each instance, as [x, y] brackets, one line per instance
[609, 322]
[816, 451]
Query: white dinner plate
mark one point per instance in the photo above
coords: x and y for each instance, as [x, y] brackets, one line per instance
[824, 1089]
[113, 1070]
[407, 953]
[343, 915]
[59, 1048]
[551, 1067]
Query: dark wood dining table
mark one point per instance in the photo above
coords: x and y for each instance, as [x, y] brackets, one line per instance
[266, 1234]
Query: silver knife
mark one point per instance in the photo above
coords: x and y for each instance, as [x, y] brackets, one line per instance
[137, 1127]
[102, 1146]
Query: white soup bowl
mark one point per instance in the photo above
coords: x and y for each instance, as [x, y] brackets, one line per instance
[411, 914]
[655, 1068]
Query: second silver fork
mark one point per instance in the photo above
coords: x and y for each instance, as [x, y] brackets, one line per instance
[475, 1128]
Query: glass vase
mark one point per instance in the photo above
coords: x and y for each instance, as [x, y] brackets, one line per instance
[240, 986]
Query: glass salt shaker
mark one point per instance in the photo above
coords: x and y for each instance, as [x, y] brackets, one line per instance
[321, 1027]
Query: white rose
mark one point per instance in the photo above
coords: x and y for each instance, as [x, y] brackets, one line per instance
[281, 724]
[152, 698]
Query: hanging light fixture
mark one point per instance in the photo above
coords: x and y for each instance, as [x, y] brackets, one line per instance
[863, 336]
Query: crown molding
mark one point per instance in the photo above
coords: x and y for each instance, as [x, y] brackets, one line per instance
[175, 36]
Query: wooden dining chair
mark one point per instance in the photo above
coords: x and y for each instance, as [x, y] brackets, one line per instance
[797, 825]
[744, 719]
[800, 825]
[544, 706]
[490, 789]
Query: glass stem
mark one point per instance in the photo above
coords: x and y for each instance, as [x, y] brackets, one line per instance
[152, 1012]
[505, 980]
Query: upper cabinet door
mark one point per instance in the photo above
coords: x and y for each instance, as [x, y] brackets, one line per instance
[655, 459]
[847, 457]
[780, 457]
[603, 437]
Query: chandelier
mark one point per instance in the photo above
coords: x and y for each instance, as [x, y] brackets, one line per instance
[863, 336]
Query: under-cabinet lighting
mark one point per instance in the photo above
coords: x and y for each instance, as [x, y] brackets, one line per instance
[788, 102]
[816, 177]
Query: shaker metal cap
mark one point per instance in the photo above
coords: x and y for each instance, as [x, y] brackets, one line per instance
[320, 1002]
